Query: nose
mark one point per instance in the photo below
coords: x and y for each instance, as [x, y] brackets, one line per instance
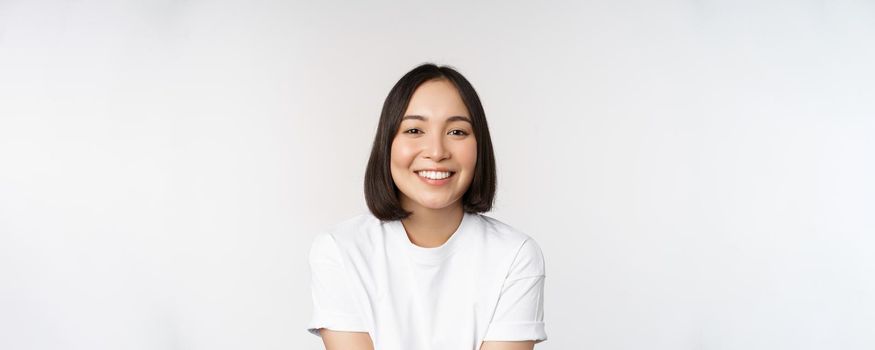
[435, 148]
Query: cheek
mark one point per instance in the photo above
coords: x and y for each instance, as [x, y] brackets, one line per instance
[467, 155]
[402, 154]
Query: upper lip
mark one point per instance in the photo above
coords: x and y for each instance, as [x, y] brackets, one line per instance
[435, 169]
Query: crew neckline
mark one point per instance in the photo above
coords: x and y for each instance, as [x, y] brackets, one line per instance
[435, 255]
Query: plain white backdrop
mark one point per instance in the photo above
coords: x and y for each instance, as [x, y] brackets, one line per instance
[698, 173]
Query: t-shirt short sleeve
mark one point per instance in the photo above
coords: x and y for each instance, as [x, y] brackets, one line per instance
[334, 304]
[519, 315]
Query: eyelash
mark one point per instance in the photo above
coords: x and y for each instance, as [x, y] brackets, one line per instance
[464, 133]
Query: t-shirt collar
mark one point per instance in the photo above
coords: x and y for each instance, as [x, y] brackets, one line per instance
[436, 255]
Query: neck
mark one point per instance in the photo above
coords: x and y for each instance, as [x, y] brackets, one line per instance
[430, 228]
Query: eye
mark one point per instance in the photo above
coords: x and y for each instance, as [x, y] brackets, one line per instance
[410, 131]
[460, 132]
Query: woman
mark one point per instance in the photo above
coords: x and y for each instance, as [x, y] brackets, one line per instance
[425, 269]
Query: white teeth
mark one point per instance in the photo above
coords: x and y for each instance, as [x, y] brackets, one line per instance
[434, 175]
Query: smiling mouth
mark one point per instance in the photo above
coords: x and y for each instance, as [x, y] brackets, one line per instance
[435, 175]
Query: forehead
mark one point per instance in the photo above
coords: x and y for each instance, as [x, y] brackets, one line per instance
[436, 98]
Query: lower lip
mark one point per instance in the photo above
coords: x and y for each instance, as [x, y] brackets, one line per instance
[435, 182]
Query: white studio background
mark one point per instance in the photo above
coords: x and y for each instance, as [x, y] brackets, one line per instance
[698, 173]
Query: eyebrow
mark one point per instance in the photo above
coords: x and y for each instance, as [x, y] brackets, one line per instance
[450, 119]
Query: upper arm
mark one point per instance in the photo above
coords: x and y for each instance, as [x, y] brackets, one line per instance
[332, 290]
[339, 340]
[519, 313]
[508, 345]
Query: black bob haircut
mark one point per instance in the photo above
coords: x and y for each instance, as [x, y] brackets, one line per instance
[381, 193]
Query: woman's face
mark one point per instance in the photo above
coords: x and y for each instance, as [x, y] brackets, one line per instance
[435, 139]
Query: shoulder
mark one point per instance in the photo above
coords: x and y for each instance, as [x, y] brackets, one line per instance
[498, 230]
[354, 231]
[528, 256]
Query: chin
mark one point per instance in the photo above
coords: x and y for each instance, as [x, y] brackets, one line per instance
[435, 204]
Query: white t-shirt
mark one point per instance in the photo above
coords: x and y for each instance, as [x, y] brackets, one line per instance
[485, 283]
